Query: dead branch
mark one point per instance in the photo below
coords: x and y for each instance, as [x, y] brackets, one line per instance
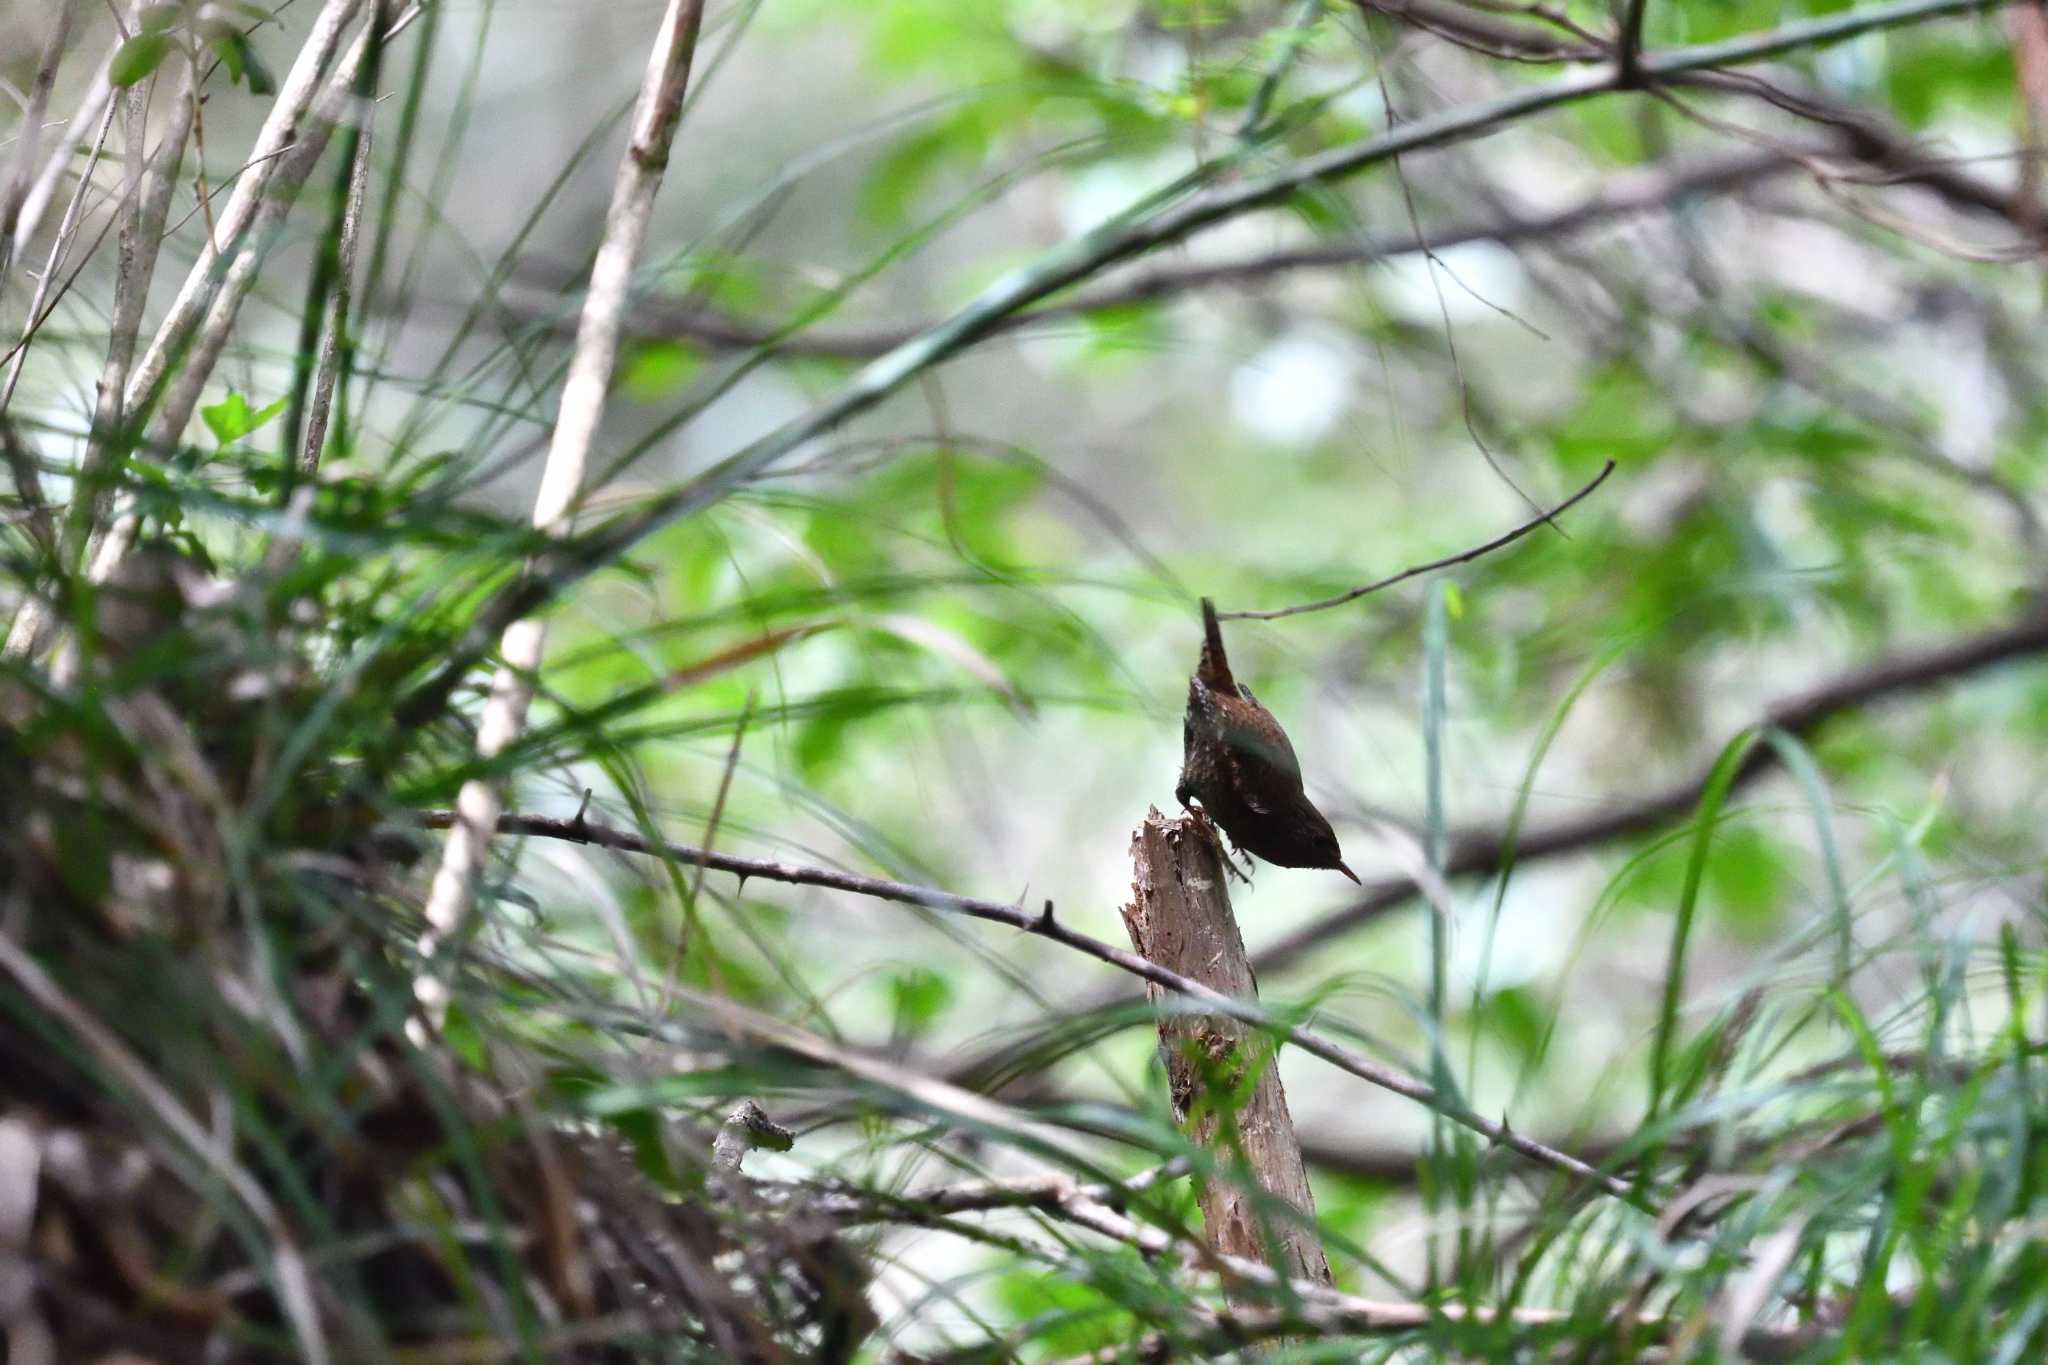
[1051, 928]
[479, 803]
[1225, 1092]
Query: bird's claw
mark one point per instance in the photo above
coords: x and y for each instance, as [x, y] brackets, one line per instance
[1230, 862]
[1220, 837]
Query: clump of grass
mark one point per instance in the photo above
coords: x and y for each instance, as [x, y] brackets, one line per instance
[231, 1127]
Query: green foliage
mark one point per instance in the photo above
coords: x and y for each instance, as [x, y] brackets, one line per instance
[138, 58]
[1776, 971]
[658, 370]
[232, 418]
[164, 28]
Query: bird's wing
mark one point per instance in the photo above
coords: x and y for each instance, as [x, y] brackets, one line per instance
[1262, 764]
[1263, 741]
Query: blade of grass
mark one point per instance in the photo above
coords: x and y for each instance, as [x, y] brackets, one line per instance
[1798, 761]
[1720, 780]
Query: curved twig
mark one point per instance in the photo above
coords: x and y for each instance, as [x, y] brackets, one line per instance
[656, 114]
[1462, 557]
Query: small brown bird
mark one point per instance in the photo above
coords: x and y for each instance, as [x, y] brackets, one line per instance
[1239, 765]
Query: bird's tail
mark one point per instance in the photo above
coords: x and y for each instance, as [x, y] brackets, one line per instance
[1215, 666]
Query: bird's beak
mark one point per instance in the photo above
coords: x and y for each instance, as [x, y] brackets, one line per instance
[1348, 872]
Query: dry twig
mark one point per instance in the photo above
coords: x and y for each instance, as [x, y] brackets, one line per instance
[479, 804]
[1051, 928]
[1462, 557]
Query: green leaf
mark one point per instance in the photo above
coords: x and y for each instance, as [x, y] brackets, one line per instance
[261, 82]
[228, 46]
[1621, 415]
[658, 369]
[1800, 764]
[1712, 798]
[1516, 1018]
[919, 996]
[231, 419]
[135, 59]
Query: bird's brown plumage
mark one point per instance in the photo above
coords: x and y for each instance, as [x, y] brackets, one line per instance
[1238, 763]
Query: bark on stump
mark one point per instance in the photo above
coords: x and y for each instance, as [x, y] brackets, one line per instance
[1180, 918]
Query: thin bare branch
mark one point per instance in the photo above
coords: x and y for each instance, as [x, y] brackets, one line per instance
[479, 803]
[203, 346]
[1625, 194]
[42, 302]
[1628, 50]
[1462, 557]
[142, 223]
[1051, 928]
[334, 329]
[1298, 27]
[140, 243]
[283, 126]
[1490, 37]
[14, 193]
[44, 190]
[1883, 145]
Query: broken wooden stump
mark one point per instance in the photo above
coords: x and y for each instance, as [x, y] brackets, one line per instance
[1221, 1073]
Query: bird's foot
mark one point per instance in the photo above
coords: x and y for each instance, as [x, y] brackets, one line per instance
[1214, 832]
[1230, 862]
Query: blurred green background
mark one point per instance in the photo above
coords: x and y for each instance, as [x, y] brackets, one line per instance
[1793, 301]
